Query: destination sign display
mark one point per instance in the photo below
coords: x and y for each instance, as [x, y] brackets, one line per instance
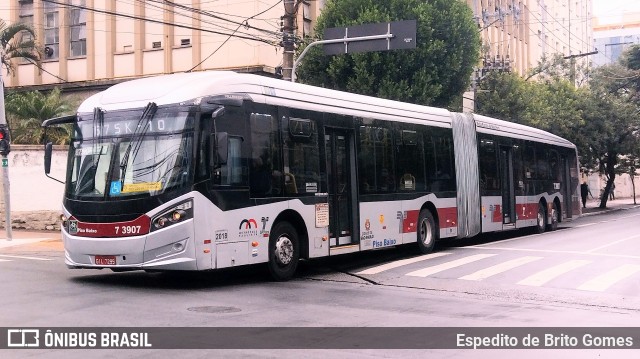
[127, 126]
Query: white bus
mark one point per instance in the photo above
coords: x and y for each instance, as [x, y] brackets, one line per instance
[209, 170]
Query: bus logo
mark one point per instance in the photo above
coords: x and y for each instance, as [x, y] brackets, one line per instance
[367, 225]
[247, 223]
[248, 228]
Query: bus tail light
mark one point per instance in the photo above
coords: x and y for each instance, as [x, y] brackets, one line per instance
[176, 214]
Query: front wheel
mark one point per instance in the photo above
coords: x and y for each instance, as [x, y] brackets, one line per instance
[541, 224]
[284, 251]
[426, 232]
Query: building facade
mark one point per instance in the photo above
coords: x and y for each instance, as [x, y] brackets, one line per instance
[613, 38]
[91, 44]
[95, 43]
[516, 34]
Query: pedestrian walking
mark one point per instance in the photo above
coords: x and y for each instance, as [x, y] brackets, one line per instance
[584, 191]
[612, 195]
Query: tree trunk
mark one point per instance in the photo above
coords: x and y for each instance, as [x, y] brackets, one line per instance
[609, 169]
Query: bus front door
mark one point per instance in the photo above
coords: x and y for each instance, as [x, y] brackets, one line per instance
[508, 191]
[339, 166]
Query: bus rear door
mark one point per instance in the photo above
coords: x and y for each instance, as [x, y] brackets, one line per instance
[339, 162]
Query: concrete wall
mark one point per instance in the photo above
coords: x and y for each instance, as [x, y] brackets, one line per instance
[36, 200]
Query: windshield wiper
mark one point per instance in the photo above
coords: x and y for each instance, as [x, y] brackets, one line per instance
[138, 135]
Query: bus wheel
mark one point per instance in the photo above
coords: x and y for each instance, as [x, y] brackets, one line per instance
[284, 251]
[555, 218]
[426, 232]
[542, 219]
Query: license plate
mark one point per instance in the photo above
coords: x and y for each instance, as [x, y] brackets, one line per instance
[106, 260]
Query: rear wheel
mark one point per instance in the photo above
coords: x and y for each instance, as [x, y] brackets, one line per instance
[284, 251]
[541, 224]
[426, 232]
[555, 218]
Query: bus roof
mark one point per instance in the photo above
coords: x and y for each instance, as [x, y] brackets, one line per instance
[185, 87]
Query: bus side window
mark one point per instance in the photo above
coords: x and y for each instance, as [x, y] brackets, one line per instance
[231, 172]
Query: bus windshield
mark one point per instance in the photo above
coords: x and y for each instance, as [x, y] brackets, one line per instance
[120, 154]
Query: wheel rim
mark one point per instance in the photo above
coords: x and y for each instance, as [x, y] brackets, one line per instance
[284, 250]
[541, 218]
[426, 233]
[554, 216]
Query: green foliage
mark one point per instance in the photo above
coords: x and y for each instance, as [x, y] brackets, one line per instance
[13, 47]
[435, 73]
[26, 111]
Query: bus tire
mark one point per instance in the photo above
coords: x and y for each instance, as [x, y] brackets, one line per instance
[427, 232]
[541, 219]
[555, 218]
[284, 251]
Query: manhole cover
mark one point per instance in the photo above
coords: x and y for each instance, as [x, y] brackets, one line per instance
[214, 309]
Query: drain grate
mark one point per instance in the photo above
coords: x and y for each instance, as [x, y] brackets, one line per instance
[214, 309]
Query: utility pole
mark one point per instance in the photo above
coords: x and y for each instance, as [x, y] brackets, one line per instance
[288, 26]
[4, 151]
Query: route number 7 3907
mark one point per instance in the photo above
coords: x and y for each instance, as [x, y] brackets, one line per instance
[128, 229]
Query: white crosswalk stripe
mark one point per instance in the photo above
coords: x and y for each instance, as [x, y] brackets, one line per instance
[606, 280]
[25, 257]
[499, 268]
[400, 263]
[548, 274]
[425, 272]
[5, 260]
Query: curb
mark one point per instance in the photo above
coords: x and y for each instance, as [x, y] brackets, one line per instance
[612, 209]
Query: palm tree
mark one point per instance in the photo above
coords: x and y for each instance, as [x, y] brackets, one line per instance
[27, 110]
[12, 45]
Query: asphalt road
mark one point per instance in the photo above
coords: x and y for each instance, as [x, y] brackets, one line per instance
[586, 274]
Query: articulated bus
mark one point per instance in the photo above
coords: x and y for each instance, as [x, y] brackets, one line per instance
[216, 169]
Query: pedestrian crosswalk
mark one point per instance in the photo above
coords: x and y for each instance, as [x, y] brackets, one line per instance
[10, 258]
[533, 271]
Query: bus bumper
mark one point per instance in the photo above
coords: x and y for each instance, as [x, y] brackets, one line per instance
[170, 249]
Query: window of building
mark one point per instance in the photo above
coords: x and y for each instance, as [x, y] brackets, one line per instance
[26, 17]
[78, 29]
[306, 17]
[51, 31]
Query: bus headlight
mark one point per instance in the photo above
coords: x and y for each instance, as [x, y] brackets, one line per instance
[176, 214]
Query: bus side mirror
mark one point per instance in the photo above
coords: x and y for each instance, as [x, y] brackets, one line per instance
[221, 148]
[48, 148]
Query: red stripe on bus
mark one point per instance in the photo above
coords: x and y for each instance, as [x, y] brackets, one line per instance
[497, 213]
[138, 226]
[448, 217]
[410, 223]
[527, 210]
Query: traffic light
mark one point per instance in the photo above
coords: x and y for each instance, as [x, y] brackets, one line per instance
[5, 140]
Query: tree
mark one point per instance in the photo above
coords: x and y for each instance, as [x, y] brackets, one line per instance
[611, 123]
[14, 47]
[26, 111]
[435, 73]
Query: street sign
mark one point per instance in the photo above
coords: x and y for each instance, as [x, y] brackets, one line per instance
[5, 162]
[402, 35]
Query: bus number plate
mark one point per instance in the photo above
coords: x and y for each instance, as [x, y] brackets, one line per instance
[106, 260]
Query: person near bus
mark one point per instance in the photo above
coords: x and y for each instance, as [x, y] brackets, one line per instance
[584, 191]
[612, 195]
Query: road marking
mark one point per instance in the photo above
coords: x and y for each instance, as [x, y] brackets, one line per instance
[548, 274]
[585, 225]
[612, 243]
[442, 267]
[400, 263]
[605, 280]
[557, 252]
[5, 260]
[499, 268]
[24, 257]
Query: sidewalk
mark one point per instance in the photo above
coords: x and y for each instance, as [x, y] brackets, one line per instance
[20, 237]
[617, 204]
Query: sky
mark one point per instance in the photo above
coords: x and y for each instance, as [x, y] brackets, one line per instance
[609, 11]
